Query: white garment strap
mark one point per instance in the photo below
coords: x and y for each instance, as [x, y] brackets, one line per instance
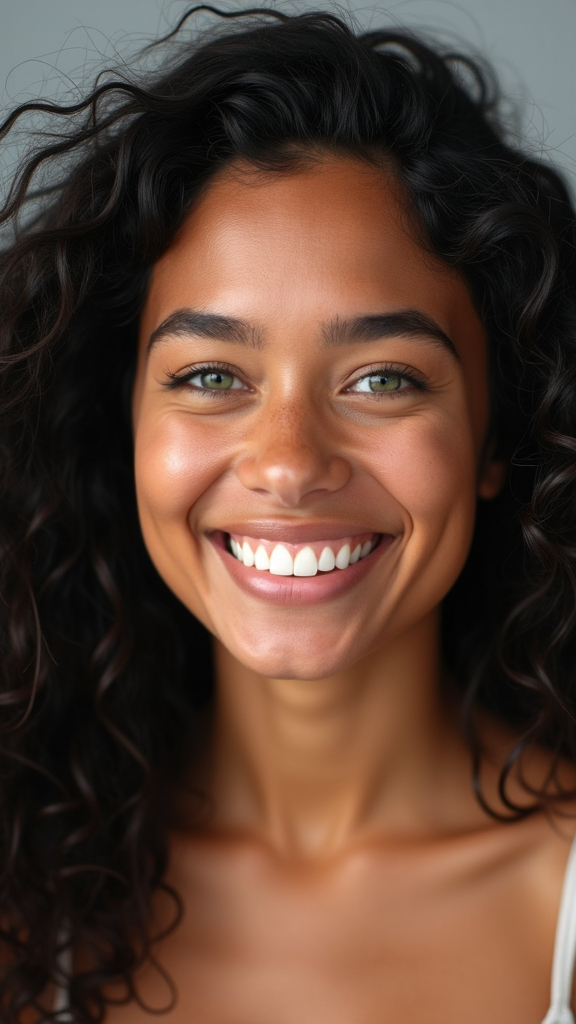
[564, 948]
[61, 994]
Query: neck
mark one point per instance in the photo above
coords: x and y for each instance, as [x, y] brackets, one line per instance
[312, 766]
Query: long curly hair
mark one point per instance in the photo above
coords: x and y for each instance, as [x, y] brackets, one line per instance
[103, 674]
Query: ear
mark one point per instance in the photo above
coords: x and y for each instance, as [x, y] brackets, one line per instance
[492, 473]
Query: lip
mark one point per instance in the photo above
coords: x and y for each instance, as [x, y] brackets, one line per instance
[297, 590]
[296, 533]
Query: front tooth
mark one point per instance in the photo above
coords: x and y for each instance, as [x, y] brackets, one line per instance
[343, 557]
[366, 549]
[326, 562]
[305, 563]
[281, 562]
[247, 553]
[355, 555]
[261, 560]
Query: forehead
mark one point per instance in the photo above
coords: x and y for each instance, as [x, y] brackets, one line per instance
[290, 248]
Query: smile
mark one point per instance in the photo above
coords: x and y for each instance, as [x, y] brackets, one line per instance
[299, 566]
[285, 559]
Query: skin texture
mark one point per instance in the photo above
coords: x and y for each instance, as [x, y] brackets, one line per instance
[347, 874]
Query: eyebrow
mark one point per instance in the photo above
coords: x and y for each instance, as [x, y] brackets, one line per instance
[402, 323]
[184, 323]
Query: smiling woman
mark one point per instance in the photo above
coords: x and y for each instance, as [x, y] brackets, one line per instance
[288, 547]
[339, 399]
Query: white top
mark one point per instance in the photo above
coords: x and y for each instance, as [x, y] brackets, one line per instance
[562, 964]
[564, 949]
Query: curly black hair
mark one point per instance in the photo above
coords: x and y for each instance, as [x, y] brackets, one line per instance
[104, 676]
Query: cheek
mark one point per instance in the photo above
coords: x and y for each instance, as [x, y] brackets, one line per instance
[174, 465]
[428, 465]
[428, 469]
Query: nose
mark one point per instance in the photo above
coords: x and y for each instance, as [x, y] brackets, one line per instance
[289, 457]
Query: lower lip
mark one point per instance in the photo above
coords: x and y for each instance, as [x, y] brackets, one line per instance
[298, 590]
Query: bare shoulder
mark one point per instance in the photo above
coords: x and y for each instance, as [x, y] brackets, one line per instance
[368, 936]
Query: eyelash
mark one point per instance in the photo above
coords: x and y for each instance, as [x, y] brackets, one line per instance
[176, 380]
[416, 380]
[407, 373]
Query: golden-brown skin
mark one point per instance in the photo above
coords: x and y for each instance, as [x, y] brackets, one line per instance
[348, 874]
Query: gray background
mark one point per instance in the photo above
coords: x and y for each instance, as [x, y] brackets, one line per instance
[48, 46]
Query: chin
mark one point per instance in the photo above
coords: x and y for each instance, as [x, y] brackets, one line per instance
[286, 658]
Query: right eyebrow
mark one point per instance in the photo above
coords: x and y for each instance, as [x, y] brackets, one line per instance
[187, 322]
[401, 323]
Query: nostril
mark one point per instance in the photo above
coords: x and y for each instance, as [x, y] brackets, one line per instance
[289, 476]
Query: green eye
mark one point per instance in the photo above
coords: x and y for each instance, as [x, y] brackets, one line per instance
[217, 380]
[206, 378]
[390, 382]
[379, 382]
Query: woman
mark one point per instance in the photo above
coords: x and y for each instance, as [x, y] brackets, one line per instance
[288, 553]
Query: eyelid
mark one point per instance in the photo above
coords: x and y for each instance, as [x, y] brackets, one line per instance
[184, 376]
[405, 372]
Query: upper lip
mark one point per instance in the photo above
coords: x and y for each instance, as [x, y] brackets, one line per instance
[292, 533]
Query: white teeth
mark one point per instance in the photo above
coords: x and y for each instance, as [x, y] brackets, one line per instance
[355, 555]
[343, 557]
[327, 561]
[281, 562]
[305, 563]
[247, 553]
[261, 560]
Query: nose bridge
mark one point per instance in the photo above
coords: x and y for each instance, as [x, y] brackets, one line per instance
[290, 452]
[291, 442]
[293, 425]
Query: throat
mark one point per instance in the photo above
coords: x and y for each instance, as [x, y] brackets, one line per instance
[310, 765]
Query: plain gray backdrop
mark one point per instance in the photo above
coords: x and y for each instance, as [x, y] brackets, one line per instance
[46, 46]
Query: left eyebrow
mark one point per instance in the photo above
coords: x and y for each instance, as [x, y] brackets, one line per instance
[194, 323]
[403, 323]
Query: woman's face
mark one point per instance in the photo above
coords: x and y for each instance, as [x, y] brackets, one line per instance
[310, 384]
